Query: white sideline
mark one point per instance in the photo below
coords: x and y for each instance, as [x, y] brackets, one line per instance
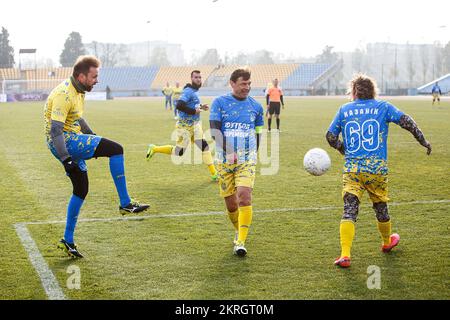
[48, 279]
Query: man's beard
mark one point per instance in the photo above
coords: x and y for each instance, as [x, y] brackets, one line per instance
[197, 86]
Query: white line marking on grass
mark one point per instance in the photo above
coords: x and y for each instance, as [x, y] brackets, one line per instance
[48, 279]
[210, 213]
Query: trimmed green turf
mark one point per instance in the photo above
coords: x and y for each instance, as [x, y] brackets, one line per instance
[290, 252]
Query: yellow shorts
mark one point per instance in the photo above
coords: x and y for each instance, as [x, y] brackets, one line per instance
[435, 95]
[232, 176]
[188, 133]
[375, 184]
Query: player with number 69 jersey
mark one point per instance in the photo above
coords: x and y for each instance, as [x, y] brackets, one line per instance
[364, 126]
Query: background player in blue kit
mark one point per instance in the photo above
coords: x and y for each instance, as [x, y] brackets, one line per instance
[364, 125]
[436, 92]
[189, 126]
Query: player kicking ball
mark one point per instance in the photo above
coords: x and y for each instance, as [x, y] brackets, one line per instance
[364, 125]
[72, 141]
[236, 122]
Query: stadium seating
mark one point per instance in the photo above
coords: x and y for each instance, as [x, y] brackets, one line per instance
[178, 74]
[126, 78]
[9, 74]
[305, 75]
[130, 81]
[261, 74]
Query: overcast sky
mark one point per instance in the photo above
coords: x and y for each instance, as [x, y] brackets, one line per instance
[291, 27]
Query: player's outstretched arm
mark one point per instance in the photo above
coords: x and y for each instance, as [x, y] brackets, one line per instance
[335, 143]
[407, 123]
[85, 127]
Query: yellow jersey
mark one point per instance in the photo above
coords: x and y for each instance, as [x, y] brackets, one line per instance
[167, 91]
[64, 104]
[177, 93]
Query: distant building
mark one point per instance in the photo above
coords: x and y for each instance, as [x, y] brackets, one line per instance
[137, 54]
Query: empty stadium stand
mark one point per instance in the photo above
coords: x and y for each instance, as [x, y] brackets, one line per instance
[9, 74]
[126, 78]
[178, 74]
[305, 75]
[147, 81]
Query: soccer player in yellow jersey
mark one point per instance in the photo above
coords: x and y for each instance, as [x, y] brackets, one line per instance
[167, 92]
[177, 91]
[236, 121]
[71, 141]
[188, 126]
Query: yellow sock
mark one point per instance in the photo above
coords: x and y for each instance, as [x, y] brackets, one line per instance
[212, 169]
[207, 159]
[385, 231]
[245, 220]
[347, 233]
[234, 218]
[163, 149]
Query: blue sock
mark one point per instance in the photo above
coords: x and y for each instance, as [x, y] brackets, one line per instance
[73, 209]
[117, 169]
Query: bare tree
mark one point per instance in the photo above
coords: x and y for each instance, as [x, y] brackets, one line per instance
[425, 61]
[357, 60]
[410, 67]
[159, 57]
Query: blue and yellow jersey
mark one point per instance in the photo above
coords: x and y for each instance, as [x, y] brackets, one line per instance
[364, 125]
[176, 93]
[190, 97]
[240, 121]
[64, 104]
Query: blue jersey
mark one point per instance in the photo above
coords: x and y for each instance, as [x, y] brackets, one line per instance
[364, 125]
[190, 97]
[436, 89]
[239, 119]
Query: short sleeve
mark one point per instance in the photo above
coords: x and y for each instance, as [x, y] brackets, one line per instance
[60, 107]
[216, 111]
[393, 114]
[335, 126]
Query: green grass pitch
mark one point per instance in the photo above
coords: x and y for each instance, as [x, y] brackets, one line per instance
[166, 256]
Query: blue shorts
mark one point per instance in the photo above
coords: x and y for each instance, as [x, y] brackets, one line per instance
[81, 147]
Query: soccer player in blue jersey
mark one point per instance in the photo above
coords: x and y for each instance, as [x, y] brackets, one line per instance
[236, 122]
[364, 125]
[188, 126]
[436, 92]
[72, 142]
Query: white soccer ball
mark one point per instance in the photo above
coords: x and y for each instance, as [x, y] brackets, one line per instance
[316, 162]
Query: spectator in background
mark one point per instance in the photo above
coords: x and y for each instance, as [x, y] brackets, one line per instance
[167, 92]
[176, 94]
